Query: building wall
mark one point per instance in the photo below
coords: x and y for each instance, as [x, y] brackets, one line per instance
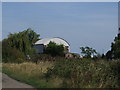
[39, 48]
[66, 49]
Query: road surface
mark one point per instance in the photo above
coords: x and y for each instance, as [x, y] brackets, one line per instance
[8, 82]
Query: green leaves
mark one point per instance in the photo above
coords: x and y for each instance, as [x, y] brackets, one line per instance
[115, 49]
[87, 51]
[86, 73]
[21, 42]
[54, 49]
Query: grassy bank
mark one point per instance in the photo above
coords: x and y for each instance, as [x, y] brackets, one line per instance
[66, 73]
[28, 72]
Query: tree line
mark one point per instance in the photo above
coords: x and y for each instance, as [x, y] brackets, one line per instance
[114, 53]
[18, 45]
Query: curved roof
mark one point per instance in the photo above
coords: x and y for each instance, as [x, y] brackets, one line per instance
[55, 40]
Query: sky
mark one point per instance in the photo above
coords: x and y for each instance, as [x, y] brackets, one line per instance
[93, 24]
[119, 15]
[0, 20]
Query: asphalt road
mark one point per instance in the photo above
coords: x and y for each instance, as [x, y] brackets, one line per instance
[8, 82]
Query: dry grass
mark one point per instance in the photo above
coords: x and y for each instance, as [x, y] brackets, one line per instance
[28, 72]
[0, 67]
[66, 73]
[28, 67]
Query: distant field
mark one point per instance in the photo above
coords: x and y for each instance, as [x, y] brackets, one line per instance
[66, 73]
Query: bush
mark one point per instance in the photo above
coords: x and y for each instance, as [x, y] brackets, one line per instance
[87, 73]
[19, 60]
[54, 50]
[41, 57]
[115, 49]
[11, 54]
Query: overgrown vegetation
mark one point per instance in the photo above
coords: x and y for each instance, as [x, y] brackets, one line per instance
[0, 56]
[18, 45]
[87, 74]
[88, 52]
[70, 73]
[28, 72]
[115, 49]
[52, 70]
[54, 50]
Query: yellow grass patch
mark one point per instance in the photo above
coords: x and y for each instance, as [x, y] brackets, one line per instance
[28, 68]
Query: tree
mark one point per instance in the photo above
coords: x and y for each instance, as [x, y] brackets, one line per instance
[115, 49]
[109, 54]
[23, 40]
[20, 42]
[87, 51]
[54, 50]
[10, 54]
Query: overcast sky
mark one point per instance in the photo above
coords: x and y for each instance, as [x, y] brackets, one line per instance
[81, 24]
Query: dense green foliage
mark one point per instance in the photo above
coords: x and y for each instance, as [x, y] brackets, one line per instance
[86, 73]
[41, 57]
[115, 49]
[11, 54]
[18, 45]
[54, 49]
[88, 52]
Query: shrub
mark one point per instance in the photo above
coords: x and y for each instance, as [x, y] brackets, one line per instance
[41, 57]
[115, 49]
[18, 44]
[12, 54]
[54, 50]
[87, 73]
[19, 60]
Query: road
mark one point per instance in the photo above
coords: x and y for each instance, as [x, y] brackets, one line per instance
[8, 82]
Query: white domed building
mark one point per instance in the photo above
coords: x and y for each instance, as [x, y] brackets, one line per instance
[42, 43]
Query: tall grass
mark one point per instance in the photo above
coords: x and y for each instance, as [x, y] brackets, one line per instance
[28, 72]
[88, 73]
[63, 73]
[0, 67]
